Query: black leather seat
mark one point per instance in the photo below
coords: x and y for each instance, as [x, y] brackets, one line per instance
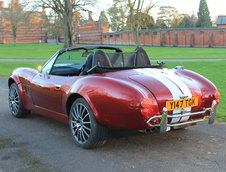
[131, 60]
[139, 59]
[87, 66]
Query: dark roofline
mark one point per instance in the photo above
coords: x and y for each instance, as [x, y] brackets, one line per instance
[221, 20]
[90, 48]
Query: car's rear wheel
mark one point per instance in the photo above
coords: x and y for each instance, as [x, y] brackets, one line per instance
[15, 103]
[86, 131]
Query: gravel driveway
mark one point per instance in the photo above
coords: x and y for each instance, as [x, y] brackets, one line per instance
[39, 144]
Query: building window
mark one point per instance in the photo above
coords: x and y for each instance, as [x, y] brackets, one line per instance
[222, 32]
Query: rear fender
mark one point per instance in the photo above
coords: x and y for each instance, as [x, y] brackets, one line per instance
[208, 89]
[115, 103]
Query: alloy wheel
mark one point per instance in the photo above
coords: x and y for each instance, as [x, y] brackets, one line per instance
[14, 100]
[80, 123]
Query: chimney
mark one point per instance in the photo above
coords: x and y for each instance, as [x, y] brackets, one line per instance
[2, 5]
[43, 10]
[90, 16]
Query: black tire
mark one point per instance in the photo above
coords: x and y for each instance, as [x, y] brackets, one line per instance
[85, 130]
[15, 102]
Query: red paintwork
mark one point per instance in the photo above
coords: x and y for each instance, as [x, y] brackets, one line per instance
[114, 97]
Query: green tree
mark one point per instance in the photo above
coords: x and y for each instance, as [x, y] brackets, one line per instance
[150, 22]
[117, 16]
[203, 15]
[147, 21]
[103, 18]
[132, 14]
[189, 21]
[170, 16]
[160, 23]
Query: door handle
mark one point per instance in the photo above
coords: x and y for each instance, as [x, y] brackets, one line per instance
[57, 85]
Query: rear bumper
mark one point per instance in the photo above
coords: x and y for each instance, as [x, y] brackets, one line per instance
[164, 125]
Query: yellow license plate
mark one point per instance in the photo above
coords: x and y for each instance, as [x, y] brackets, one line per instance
[182, 103]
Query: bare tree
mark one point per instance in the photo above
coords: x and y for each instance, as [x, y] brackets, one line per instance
[66, 9]
[135, 10]
[17, 16]
[55, 27]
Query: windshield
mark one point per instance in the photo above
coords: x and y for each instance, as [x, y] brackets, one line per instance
[69, 58]
[83, 61]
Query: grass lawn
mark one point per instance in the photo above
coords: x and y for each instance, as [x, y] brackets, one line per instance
[7, 67]
[28, 51]
[45, 51]
[214, 71]
[182, 53]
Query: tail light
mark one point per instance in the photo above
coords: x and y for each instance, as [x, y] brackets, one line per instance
[147, 104]
[217, 96]
[149, 108]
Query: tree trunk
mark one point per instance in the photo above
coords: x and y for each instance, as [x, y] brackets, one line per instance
[65, 35]
[136, 37]
[69, 29]
[56, 38]
[14, 32]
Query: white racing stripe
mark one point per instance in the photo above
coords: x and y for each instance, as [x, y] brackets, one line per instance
[175, 91]
[172, 82]
[169, 74]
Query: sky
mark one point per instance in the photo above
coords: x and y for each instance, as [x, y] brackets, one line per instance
[216, 7]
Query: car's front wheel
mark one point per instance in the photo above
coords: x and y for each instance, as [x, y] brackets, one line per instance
[15, 102]
[86, 131]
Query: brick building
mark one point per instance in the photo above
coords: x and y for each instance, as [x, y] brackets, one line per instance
[90, 31]
[221, 22]
[94, 32]
[31, 31]
[183, 37]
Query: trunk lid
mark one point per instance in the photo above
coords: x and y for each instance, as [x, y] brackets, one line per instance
[166, 85]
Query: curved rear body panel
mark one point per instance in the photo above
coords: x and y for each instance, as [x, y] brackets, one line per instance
[114, 97]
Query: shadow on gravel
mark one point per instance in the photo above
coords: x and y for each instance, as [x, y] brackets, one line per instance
[17, 154]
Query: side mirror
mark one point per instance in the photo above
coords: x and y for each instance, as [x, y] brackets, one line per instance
[40, 68]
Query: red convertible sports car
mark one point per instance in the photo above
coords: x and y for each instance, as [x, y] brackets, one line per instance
[111, 89]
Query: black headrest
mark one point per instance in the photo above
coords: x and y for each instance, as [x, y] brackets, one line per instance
[142, 58]
[100, 58]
